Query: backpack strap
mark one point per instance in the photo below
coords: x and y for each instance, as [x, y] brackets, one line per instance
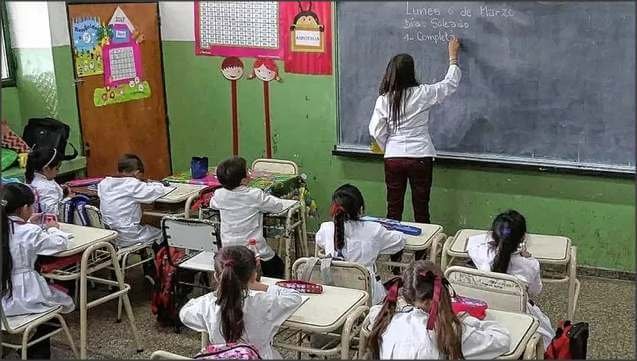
[326, 271]
[72, 156]
[309, 268]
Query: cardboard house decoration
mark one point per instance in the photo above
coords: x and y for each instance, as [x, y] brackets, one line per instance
[122, 55]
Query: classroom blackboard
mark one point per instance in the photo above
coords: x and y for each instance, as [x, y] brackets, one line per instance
[544, 83]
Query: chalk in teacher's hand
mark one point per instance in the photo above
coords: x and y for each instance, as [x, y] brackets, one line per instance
[376, 148]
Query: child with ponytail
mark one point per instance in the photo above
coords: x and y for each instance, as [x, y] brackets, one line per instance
[349, 238]
[24, 290]
[503, 250]
[425, 327]
[241, 309]
[42, 167]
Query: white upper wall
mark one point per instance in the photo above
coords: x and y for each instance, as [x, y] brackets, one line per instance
[29, 24]
[58, 23]
[177, 20]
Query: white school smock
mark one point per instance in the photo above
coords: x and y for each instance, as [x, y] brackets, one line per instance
[120, 205]
[49, 193]
[526, 269]
[241, 211]
[411, 139]
[31, 293]
[364, 241]
[263, 313]
[407, 337]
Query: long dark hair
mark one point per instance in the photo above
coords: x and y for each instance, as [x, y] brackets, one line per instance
[418, 284]
[40, 158]
[399, 76]
[14, 197]
[508, 230]
[347, 203]
[234, 266]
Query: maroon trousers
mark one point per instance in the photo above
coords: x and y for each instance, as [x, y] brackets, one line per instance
[418, 171]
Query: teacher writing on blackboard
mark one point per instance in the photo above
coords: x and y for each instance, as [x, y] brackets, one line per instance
[400, 127]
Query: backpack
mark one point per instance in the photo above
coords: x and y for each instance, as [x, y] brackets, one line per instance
[72, 211]
[165, 304]
[230, 351]
[570, 342]
[48, 132]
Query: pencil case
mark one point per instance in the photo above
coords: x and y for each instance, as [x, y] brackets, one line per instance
[301, 286]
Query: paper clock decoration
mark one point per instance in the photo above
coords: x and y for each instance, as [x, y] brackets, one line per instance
[238, 28]
[307, 33]
[88, 35]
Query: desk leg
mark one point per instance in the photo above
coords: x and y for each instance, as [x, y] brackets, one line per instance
[305, 251]
[573, 291]
[444, 256]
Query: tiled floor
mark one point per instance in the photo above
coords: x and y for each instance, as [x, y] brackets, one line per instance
[608, 305]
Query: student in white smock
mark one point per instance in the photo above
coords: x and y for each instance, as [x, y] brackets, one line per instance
[503, 250]
[241, 209]
[42, 167]
[121, 198]
[24, 290]
[353, 240]
[241, 309]
[425, 327]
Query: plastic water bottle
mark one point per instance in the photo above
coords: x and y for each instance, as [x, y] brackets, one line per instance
[252, 245]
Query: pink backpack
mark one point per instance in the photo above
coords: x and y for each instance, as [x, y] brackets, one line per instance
[230, 351]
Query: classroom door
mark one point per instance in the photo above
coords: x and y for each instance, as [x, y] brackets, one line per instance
[137, 126]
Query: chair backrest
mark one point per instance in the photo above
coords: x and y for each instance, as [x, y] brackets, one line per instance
[191, 234]
[278, 166]
[499, 290]
[94, 216]
[344, 274]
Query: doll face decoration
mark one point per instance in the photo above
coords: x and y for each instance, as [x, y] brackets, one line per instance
[265, 69]
[232, 68]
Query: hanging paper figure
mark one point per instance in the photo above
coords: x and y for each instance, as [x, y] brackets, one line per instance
[232, 69]
[265, 69]
[88, 38]
[122, 64]
[307, 31]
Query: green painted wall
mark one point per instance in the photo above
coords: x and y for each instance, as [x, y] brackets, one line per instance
[596, 212]
[67, 110]
[11, 108]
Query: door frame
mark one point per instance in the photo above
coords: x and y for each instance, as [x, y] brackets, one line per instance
[161, 64]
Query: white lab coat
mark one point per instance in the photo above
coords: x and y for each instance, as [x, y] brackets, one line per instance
[263, 313]
[241, 211]
[407, 337]
[49, 194]
[364, 242]
[526, 269]
[120, 204]
[411, 139]
[31, 293]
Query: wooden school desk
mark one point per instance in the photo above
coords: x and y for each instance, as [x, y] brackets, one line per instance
[179, 198]
[521, 327]
[336, 307]
[97, 253]
[549, 250]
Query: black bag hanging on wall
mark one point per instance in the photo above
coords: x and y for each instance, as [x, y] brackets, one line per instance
[48, 132]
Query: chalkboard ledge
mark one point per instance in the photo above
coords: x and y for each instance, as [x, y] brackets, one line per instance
[476, 162]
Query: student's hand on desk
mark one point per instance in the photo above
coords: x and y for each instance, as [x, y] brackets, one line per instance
[525, 253]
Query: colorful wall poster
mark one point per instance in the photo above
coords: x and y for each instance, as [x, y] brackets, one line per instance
[89, 34]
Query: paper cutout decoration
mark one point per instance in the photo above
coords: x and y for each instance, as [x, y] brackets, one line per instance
[238, 28]
[266, 70]
[304, 61]
[133, 90]
[122, 55]
[307, 32]
[88, 37]
[232, 69]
